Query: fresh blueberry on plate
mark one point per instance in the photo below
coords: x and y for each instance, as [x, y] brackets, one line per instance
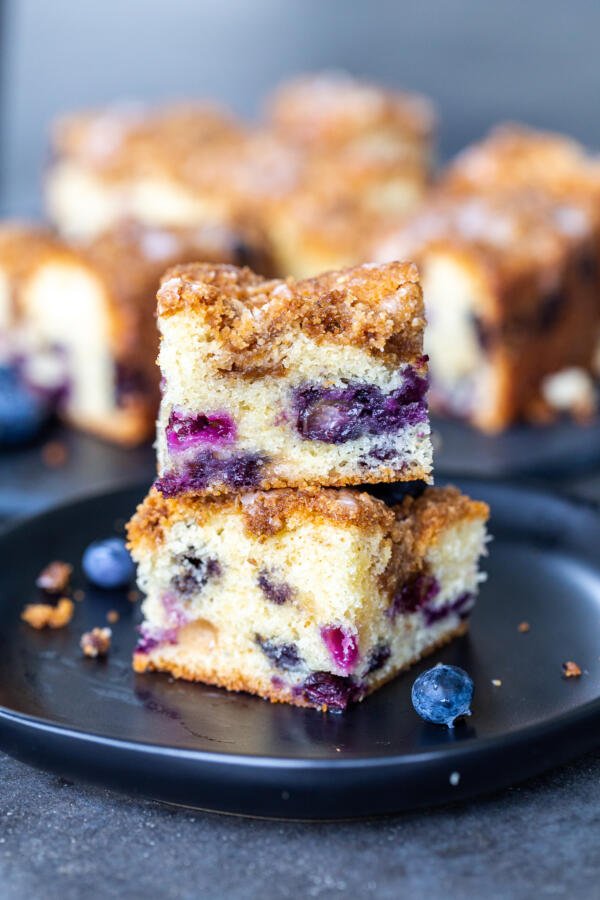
[23, 413]
[107, 563]
[442, 694]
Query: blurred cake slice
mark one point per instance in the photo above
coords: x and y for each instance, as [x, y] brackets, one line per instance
[310, 598]
[337, 118]
[79, 321]
[130, 161]
[509, 255]
[278, 383]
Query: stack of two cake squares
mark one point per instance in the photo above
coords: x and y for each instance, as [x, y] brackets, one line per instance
[263, 571]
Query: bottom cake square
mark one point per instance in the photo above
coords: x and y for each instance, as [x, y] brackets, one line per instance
[311, 598]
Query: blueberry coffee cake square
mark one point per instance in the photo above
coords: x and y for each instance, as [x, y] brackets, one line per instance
[314, 598]
[508, 247]
[269, 384]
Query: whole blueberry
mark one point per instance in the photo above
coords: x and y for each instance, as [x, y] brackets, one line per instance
[108, 564]
[22, 411]
[442, 694]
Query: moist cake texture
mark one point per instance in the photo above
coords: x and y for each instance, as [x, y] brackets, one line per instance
[312, 598]
[509, 255]
[291, 383]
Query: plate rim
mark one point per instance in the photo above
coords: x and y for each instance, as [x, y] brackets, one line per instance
[439, 760]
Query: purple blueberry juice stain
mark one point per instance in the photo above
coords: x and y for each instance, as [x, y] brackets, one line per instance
[340, 414]
[283, 656]
[411, 596]
[377, 658]
[462, 606]
[239, 470]
[152, 636]
[277, 591]
[342, 646]
[174, 611]
[333, 691]
[194, 572]
[129, 382]
[184, 431]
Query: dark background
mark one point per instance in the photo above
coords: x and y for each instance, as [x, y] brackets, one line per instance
[481, 60]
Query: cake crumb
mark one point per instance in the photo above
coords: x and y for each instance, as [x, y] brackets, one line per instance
[55, 577]
[496, 682]
[96, 642]
[54, 454]
[571, 669]
[44, 615]
[112, 616]
[78, 595]
[454, 778]
[133, 596]
[523, 627]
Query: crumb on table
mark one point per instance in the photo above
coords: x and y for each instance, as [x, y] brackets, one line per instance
[96, 642]
[571, 669]
[44, 615]
[78, 595]
[112, 616]
[55, 577]
[523, 627]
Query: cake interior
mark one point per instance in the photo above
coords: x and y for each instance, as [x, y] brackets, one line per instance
[328, 415]
[318, 613]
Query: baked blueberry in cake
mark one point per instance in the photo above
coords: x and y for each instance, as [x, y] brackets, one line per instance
[79, 320]
[312, 598]
[278, 383]
[508, 247]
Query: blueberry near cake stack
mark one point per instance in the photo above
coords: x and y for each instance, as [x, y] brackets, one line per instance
[262, 571]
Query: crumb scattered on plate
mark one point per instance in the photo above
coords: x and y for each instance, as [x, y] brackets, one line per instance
[496, 682]
[44, 615]
[523, 627]
[112, 616]
[55, 577]
[571, 669]
[54, 454]
[96, 642]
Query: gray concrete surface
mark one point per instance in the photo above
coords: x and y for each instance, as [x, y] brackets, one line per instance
[59, 840]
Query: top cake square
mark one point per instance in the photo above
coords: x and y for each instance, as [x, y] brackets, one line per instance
[270, 384]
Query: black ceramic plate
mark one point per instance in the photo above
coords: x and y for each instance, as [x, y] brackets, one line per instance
[203, 747]
[559, 449]
[28, 483]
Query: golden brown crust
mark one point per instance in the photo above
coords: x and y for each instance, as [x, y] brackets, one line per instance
[413, 525]
[237, 680]
[379, 308]
[265, 512]
[424, 518]
[125, 139]
[516, 156]
[333, 108]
